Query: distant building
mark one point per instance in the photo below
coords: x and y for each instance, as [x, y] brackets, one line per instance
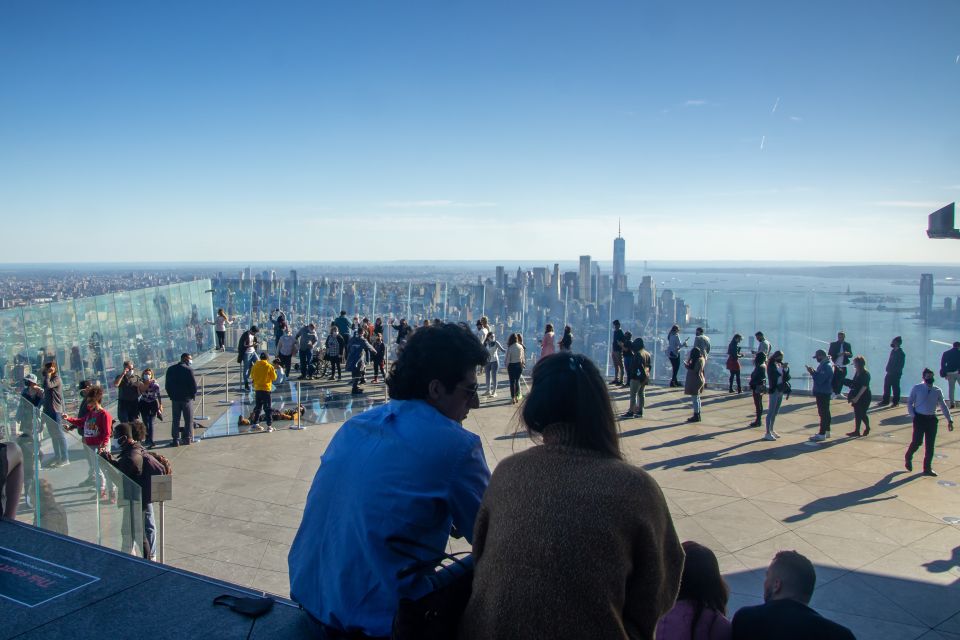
[926, 296]
[647, 297]
[584, 279]
[619, 263]
[501, 278]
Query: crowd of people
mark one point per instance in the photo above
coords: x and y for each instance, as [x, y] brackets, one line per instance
[385, 500]
[397, 481]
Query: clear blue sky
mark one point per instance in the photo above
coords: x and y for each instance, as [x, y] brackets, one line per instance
[361, 130]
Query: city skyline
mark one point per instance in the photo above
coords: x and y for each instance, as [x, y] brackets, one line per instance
[510, 132]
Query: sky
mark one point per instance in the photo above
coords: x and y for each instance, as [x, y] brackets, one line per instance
[406, 130]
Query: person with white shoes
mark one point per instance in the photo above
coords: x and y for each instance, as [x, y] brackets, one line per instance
[778, 376]
[822, 391]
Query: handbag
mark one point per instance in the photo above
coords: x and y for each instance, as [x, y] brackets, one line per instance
[436, 615]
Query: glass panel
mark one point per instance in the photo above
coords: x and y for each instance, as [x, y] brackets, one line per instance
[16, 362]
[69, 356]
[112, 353]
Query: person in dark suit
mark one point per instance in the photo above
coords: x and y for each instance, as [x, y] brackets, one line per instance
[785, 614]
[840, 352]
[891, 382]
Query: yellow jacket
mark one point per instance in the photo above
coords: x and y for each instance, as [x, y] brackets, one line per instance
[263, 375]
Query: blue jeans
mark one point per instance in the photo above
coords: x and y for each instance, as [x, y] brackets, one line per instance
[58, 438]
[696, 405]
[774, 400]
[249, 359]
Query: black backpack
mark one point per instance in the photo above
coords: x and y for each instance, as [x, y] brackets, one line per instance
[785, 381]
[242, 345]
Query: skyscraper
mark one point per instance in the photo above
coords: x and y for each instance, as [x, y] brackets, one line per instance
[619, 262]
[926, 296]
[584, 279]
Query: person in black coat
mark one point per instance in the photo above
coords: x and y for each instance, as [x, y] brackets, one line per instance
[840, 353]
[181, 386]
[785, 614]
[891, 381]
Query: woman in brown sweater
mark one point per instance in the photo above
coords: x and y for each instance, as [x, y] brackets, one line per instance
[571, 541]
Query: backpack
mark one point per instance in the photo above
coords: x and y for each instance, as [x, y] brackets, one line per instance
[785, 381]
[639, 368]
[242, 345]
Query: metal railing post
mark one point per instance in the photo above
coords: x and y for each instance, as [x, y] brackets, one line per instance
[203, 396]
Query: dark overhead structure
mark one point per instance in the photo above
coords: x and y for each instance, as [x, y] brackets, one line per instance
[940, 223]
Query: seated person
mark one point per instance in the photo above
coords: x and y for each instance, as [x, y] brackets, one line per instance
[784, 614]
[571, 541]
[11, 479]
[700, 611]
[407, 469]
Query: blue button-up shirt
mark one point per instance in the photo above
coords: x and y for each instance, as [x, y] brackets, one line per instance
[925, 400]
[403, 469]
[823, 377]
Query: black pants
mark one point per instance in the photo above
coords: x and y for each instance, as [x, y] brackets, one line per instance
[924, 432]
[128, 410]
[891, 383]
[221, 338]
[823, 410]
[860, 412]
[735, 375]
[262, 403]
[839, 375]
[181, 409]
[675, 363]
[335, 370]
[287, 362]
[758, 403]
[514, 369]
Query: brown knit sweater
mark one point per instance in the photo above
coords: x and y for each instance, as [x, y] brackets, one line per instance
[571, 544]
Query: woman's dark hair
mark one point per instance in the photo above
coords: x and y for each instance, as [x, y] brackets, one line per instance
[862, 361]
[776, 356]
[737, 337]
[133, 430]
[519, 338]
[567, 330]
[512, 339]
[701, 582]
[675, 329]
[695, 354]
[569, 405]
[444, 352]
[548, 328]
[490, 337]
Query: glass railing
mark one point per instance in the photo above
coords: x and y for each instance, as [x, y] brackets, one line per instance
[798, 316]
[68, 488]
[90, 338]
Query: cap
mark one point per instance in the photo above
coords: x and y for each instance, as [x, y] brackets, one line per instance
[30, 378]
[820, 352]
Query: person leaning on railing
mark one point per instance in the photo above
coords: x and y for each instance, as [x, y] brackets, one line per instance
[571, 540]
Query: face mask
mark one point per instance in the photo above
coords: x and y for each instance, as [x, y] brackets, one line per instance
[190, 362]
[147, 376]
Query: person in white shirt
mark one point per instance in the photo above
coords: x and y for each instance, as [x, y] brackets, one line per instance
[922, 407]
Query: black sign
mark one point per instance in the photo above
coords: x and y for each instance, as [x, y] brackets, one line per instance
[31, 581]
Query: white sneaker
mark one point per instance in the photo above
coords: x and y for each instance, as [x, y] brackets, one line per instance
[256, 427]
[775, 435]
[270, 428]
[827, 435]
[818, 438]
[493, 395]
[769, 437]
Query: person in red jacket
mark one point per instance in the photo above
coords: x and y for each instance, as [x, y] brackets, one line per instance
[97, 426]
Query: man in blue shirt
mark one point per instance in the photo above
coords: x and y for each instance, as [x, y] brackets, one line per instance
[406, 470]
[822, 388]
[922, 407]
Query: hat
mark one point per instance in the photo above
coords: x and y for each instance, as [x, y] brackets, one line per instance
[30, 378]
[898, 340]
[820, 352]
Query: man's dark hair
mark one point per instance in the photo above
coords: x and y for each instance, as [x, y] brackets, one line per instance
[184, 357]
[956, 345]
[796, 573]
[254, 329]
[444, 352]
[264, 355]
[134, 430]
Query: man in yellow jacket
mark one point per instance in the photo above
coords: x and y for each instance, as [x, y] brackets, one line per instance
[263, 375]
